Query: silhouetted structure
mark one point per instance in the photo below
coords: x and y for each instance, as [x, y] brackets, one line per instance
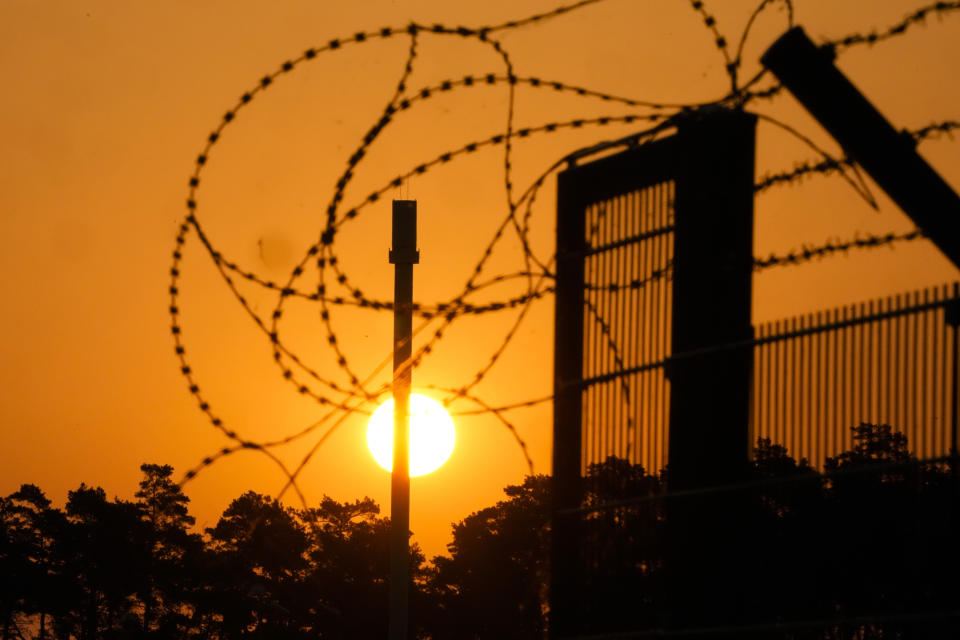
[867, 138]
[657, 365]
[654, 264]
[888, 361]
[403, 255]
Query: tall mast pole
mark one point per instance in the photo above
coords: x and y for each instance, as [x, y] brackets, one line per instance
[403, 256]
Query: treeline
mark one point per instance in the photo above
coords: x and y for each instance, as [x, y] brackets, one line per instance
[875, 534]
[866, 549]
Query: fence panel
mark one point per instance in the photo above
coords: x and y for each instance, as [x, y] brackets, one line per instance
[627, 327]
[890, 361]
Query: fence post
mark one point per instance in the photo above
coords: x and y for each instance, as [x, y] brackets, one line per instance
[713, 271]
[567, 406]
[710, 382]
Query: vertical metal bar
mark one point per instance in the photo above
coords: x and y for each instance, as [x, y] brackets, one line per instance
[641, 321]
[403, 255]
[615, 351]
[666, 301]
[608, 313]
[939, 372]
[652, 259]
[798, 379]
[586, 338]
[794, 371]
[834, 400]
[596, 355]
[596, 361]
[930, 435]
[659, 295]
[806, 369]
[888, 416]
[610, 350]
[639, 309]
[773, 384]
[630, 328]
[764, 374]
[777, 389]
[634, 315]
[613, 301]
[915, 373]
[946, 364]
[655, 292]
[846, 374]
[617, 329]
[803, 413]
[817, 448]
[954, 320]
[785, 388]
[830, 419]
[895, 421]
[759, 400]
[869, 415]
[810, 403]
[652, 219]
[588, 350]
[846, 371]
[596, 346]
[861, 326]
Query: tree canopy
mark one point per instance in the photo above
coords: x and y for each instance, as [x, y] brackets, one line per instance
[874, 532]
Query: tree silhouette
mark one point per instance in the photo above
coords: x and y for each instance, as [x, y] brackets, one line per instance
[100, 556]
[171, 550]
[258, 561]
[349, 566]
[865, 550]
[27, 562]
[493, 585]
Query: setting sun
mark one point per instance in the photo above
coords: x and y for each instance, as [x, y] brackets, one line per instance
[432, 435]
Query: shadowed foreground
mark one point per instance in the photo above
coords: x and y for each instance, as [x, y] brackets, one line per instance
[864, 549]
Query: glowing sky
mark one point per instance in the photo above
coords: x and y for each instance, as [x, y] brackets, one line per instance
[107, 103]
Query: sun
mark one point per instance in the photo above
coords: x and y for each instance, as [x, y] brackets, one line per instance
[432, 435]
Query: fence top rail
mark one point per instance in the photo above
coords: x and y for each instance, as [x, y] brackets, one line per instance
[948, 302]
[852, 316]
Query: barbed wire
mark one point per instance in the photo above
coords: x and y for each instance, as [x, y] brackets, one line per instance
[873, 37]
[831, 165]
[335, 288]
[805, 254]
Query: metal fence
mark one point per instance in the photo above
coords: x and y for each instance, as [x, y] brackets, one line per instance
[626, 326]
[890, 361]
[651, 244]
[852, 549]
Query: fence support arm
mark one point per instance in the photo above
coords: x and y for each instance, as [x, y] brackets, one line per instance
[867, 138]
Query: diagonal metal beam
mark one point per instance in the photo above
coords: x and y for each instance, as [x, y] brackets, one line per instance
[887, 155]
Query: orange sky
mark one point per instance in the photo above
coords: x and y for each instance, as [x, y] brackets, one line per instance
[107, 103]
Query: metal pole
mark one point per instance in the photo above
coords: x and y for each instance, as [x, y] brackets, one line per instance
[403, 255]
